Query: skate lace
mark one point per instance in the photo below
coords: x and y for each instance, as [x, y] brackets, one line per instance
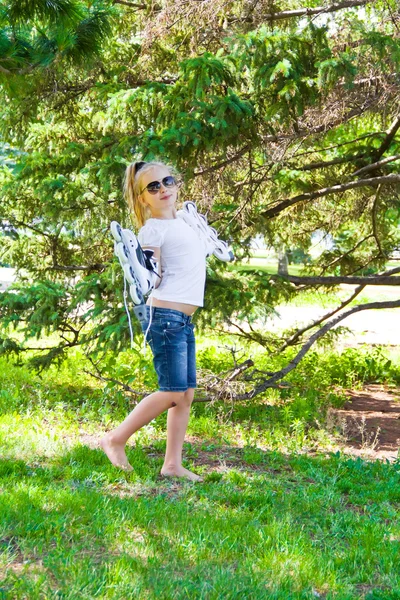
[127, 312]
[129, 318]
[148, 327]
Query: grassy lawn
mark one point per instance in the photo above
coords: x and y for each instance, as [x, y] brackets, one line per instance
[268, 265]
[281, 513]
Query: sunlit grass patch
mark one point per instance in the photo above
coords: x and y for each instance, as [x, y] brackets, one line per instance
[293, 528]
[279, 515]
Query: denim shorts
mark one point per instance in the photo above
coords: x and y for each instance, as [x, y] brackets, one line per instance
[171, 339]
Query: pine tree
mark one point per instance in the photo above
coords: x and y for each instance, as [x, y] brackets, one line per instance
[281, 125]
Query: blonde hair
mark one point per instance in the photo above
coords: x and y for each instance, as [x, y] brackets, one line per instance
[132, 188]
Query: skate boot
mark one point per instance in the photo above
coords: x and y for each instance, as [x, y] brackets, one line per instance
[138, 268]
[208, 234]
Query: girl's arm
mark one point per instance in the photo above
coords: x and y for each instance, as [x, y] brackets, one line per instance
[154, 253]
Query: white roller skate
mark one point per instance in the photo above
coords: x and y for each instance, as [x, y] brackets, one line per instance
[208, 234]
[139, 269]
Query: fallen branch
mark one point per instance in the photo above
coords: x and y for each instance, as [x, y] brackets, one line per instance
[296, 336]
[239, 369]
[224, 385]
[267, 383]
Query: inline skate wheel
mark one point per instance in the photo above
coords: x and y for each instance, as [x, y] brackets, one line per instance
[190, 207]
[223, 252]
[134, 294]
[116, 231]
[130, 275]
[203, 218]
[130, 240]
[122, 253]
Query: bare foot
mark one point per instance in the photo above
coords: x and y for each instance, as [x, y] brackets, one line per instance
[116, 453]
[180, 472]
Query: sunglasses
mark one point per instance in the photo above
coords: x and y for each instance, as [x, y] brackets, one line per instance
[155, 186]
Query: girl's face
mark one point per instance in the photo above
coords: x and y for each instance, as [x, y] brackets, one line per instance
[162, 202]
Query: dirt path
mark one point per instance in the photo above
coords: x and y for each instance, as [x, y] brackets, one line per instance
[370, 422]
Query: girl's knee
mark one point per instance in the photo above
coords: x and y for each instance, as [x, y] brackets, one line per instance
[177, 398]
[182, 398]
[189, 395]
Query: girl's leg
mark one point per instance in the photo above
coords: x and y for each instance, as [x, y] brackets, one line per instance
[177, 422]
[113, 443]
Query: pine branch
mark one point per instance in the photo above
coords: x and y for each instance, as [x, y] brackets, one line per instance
[339, 258]
[254, 336]
[24, 71]
[369, 80]
[93, 267]
[329, 163]
[391, 132]
[278, 138]
[289, 14]
[376, 165]
[335, 189]
[357, 111]
[15, 222]
[327, 148]
[131, 4]
[336, 280]
[374, 223]
[225, 162]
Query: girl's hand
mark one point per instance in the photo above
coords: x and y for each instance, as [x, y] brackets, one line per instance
[154, 255]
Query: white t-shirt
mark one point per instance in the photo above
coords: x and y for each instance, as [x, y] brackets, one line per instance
[183, 260]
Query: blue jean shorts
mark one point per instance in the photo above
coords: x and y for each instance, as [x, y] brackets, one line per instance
[172, 342]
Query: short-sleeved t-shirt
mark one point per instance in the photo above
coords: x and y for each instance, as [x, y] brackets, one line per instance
[183, 260]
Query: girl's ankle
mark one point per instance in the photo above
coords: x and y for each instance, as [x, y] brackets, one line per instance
[171, 465]
[112, 438]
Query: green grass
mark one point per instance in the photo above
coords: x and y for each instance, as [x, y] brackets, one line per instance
[297, 527]
[281, 514]
[266, 264]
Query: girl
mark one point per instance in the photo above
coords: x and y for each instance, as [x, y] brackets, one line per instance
[151, 192]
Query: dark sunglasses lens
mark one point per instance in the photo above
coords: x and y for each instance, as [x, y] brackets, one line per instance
[169, 181]
[154, 186]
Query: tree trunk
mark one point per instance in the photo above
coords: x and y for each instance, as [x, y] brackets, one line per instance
[283, 263]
